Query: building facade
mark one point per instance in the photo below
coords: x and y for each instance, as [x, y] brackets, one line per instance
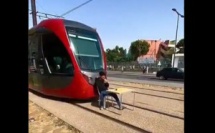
[156, 52]
[151, 55]
[157, 55]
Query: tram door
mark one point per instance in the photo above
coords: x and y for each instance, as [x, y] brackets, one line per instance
[60, 70]
[34, 73]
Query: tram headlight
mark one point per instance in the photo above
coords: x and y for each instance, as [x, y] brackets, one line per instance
[88, 79]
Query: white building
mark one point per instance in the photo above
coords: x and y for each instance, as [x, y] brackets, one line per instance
[179, 58]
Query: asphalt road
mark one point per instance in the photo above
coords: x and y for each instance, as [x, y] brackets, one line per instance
[139, 77]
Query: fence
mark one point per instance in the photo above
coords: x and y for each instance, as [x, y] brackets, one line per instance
[135, 66]
[128, 66]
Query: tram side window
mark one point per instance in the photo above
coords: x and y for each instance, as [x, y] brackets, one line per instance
[56, 55]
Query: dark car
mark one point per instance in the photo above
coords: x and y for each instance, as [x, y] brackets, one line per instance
[173, 73]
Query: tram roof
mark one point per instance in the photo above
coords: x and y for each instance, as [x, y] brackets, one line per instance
[67, 23]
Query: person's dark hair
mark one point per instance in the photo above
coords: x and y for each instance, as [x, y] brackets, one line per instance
[102, 73]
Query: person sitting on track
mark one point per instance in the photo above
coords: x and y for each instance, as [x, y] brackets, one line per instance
[103, 86]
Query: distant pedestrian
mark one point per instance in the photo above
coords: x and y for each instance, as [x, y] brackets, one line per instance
[122, 69]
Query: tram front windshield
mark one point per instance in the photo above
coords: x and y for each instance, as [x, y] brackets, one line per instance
[87, 50]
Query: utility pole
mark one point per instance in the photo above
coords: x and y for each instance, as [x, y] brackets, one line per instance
[34, 12]
[156, 61]
[182, 16]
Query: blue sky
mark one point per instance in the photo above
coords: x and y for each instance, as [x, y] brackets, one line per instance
[119, 22]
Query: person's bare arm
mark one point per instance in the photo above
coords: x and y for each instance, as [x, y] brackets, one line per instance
[106, 83]
[105, 80]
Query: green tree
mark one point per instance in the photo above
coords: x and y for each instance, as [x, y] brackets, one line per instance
[172, 42]
[169, 53]
[118, 54]
[180, 45]
[138, 48]
[109, 55]
[129, 56]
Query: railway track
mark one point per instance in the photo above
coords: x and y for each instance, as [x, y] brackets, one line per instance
[165, 101]
[144, 118]
[162, 93]
[150, 84]
[154, 105]
[165, 91]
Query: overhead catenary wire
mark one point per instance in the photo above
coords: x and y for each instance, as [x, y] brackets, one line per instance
[75, 8]
[46, 15]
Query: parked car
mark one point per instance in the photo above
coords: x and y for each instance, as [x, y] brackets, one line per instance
[173, 73]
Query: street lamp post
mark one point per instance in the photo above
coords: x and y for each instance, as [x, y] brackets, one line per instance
[176, 35]
[156, 61]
